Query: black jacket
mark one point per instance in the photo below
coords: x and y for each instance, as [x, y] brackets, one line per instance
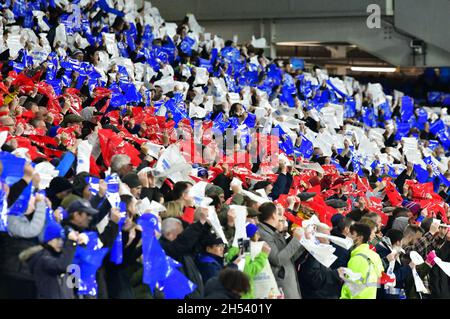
[10, 248]
[402, 273]
[152, 193]
[317, 281]
[184, 248]
[56, 202]
[279, 187]
[49, 270]
[118, 277]
[439, 281]
[342, 254]
[401, 179]
[215, 290]
[187, 243]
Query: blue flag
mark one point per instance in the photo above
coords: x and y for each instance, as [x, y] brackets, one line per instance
[432, 144]
[66, 163]
[422, 116]
[297, 63]
[176, 107]
[3, 210]
[230, 54]
[387, 114]
[422, 175]
[186, 45]
[160, 269]
[407, 110]
[337, 165]
[369, 117]
[285, 141]
[117, 249]
[89, 259]
[219, 125]
[402, 130]
[250, 121]
[335, 89]
[444, 138]
[21, 204]
[436, 171]
[357, 168]
[286, 96]
[12, 168]
[349, 108]
[437, 127]
[306, 148]
[434, 97]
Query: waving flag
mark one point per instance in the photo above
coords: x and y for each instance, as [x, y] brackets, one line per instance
[437, 127]
[285, 141]
[12, 168]
[186, 45]
[306, 148]
[3, 210]
[407, 108]
[357, 168]
[436, 171]
[117, 249]
[422, 175]
[89, 259]
[159, 269]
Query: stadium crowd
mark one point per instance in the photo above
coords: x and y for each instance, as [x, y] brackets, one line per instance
[147, 159]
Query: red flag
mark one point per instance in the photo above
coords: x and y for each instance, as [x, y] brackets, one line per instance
[94, 170]
[385, 278]
[111, 144]
[293, 219]
[394, 196]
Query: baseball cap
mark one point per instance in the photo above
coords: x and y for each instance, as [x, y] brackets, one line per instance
[82, 205]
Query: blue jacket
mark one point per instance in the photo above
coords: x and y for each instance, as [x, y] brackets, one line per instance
[209, 265]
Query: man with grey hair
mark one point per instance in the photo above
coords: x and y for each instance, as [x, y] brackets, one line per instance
[171, 228]
[121, 164]
[182, 245]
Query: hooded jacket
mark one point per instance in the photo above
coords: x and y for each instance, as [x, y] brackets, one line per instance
[49, 270]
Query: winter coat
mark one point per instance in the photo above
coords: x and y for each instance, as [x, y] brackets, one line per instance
[49, 270]
[439, 281]
[209, 265]
[318, 281]
[23, 234]
[342, 254]
[117, 277]
[279, 186]
[282, 257]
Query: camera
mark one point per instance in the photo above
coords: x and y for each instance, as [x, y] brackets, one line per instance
[244, 245]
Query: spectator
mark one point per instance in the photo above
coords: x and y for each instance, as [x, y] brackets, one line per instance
[365, 262]
[49, 262]
[230, 284]
[282, 254]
